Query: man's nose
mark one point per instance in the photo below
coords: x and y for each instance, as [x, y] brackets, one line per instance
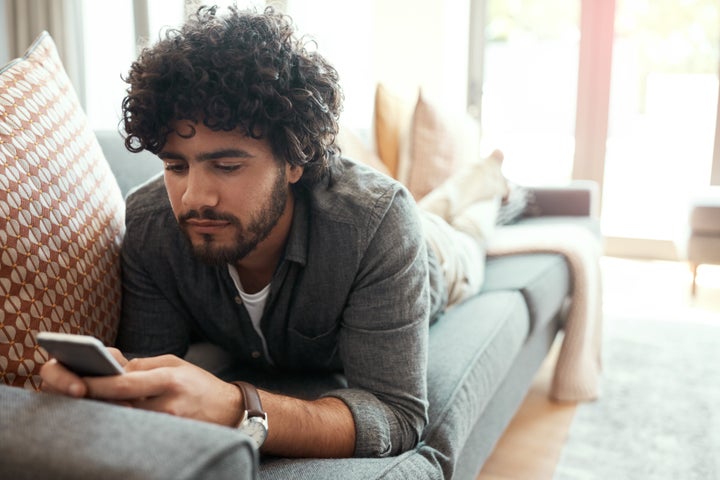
[200, 191]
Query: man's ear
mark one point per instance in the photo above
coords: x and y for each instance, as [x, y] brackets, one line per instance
[293, 172]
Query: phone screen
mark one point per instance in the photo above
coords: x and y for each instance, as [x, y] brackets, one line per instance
[84, 355]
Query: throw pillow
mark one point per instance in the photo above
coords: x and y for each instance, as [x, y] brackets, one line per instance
[440, 144]
[392, 116]
[61, 217]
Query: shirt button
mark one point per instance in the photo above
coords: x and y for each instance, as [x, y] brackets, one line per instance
[256, 355]
[238, 300]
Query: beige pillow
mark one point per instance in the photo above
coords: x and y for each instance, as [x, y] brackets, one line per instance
[61, 217]
[392, 116]
[439, 144]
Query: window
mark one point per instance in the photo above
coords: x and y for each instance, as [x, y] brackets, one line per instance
[663, 111]
[624, 92]
[529, 87]
[109, 51]
[113, 33]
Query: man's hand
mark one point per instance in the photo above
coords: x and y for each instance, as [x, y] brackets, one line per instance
[58, 379]
[320, 428]
[165, 384]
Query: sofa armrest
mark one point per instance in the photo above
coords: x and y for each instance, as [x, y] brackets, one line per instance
[578, 198]
[51, 436]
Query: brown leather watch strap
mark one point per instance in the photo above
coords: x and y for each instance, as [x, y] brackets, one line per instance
[251, 399]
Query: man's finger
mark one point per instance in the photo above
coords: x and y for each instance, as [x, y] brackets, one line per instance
[58, 379]
[118, 355]
[150, 363]
[130, 386]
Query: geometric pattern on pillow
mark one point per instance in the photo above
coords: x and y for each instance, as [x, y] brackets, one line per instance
[61, 217]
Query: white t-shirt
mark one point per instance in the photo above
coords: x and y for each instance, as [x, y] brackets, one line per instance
[254, 304]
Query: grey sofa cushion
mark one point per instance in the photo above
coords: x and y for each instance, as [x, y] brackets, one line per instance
[49, 436]
[472, 348]
[543, 280]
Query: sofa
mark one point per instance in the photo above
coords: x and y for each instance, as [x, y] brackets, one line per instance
[702, 245]
[63, 187]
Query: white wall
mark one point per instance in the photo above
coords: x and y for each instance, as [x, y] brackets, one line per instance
[405, 44]
[423, 43]
[341, 31]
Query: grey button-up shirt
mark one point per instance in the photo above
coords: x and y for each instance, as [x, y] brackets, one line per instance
[352, 293]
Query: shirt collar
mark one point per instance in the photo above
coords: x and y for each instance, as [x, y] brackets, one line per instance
[297, 243]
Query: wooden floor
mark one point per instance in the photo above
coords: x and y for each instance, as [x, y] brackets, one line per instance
[531, 446]
[533, 442]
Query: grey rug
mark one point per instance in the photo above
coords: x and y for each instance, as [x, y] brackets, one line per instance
[658, 416]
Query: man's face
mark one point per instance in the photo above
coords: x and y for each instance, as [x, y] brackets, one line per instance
[227, 191]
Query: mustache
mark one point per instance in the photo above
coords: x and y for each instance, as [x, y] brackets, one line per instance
[207, 214]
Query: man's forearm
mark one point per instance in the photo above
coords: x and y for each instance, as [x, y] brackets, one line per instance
[301, 428]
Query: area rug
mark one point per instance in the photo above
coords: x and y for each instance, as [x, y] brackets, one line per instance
[658, 414]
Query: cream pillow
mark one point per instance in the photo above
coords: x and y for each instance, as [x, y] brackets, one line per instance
[438, 144]
[61, 217]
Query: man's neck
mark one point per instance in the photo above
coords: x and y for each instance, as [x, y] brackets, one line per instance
[257, 268]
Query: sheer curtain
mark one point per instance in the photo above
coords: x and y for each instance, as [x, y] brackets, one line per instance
[26, 19]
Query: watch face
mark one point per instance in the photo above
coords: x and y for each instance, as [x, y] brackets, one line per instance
[255, 428]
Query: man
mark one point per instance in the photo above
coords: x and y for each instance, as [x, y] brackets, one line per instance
[262, 240]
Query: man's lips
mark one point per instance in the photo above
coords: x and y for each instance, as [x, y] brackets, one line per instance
[205, 226]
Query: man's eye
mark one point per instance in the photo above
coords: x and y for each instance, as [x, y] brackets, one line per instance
[175, 167]
[227, 168]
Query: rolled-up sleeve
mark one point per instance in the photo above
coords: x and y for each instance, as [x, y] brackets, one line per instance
[384, 333]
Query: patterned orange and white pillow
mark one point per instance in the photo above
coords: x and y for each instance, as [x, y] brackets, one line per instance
[61, 217]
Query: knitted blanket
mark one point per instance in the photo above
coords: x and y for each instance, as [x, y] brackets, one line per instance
[577, 372]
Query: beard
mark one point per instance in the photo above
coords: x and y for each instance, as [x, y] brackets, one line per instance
[247, 237]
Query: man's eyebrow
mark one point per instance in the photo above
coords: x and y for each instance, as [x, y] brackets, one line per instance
[224, 153]
[214, 155]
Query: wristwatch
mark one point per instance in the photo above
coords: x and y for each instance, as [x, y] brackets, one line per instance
[254, 420]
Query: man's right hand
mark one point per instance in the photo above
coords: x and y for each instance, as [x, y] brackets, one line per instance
[58, 379]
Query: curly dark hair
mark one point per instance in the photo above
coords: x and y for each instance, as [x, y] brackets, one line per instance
[243, 70]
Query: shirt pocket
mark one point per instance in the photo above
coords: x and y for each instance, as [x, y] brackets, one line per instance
[313, 348]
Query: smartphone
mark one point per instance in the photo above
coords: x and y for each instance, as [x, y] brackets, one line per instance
[84, 355]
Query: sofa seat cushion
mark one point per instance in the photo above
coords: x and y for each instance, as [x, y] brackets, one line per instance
[542, 279]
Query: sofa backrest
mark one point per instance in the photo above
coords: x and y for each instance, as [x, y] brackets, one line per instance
[130, 169]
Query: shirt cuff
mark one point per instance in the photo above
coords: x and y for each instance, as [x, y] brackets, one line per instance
[373, 430]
